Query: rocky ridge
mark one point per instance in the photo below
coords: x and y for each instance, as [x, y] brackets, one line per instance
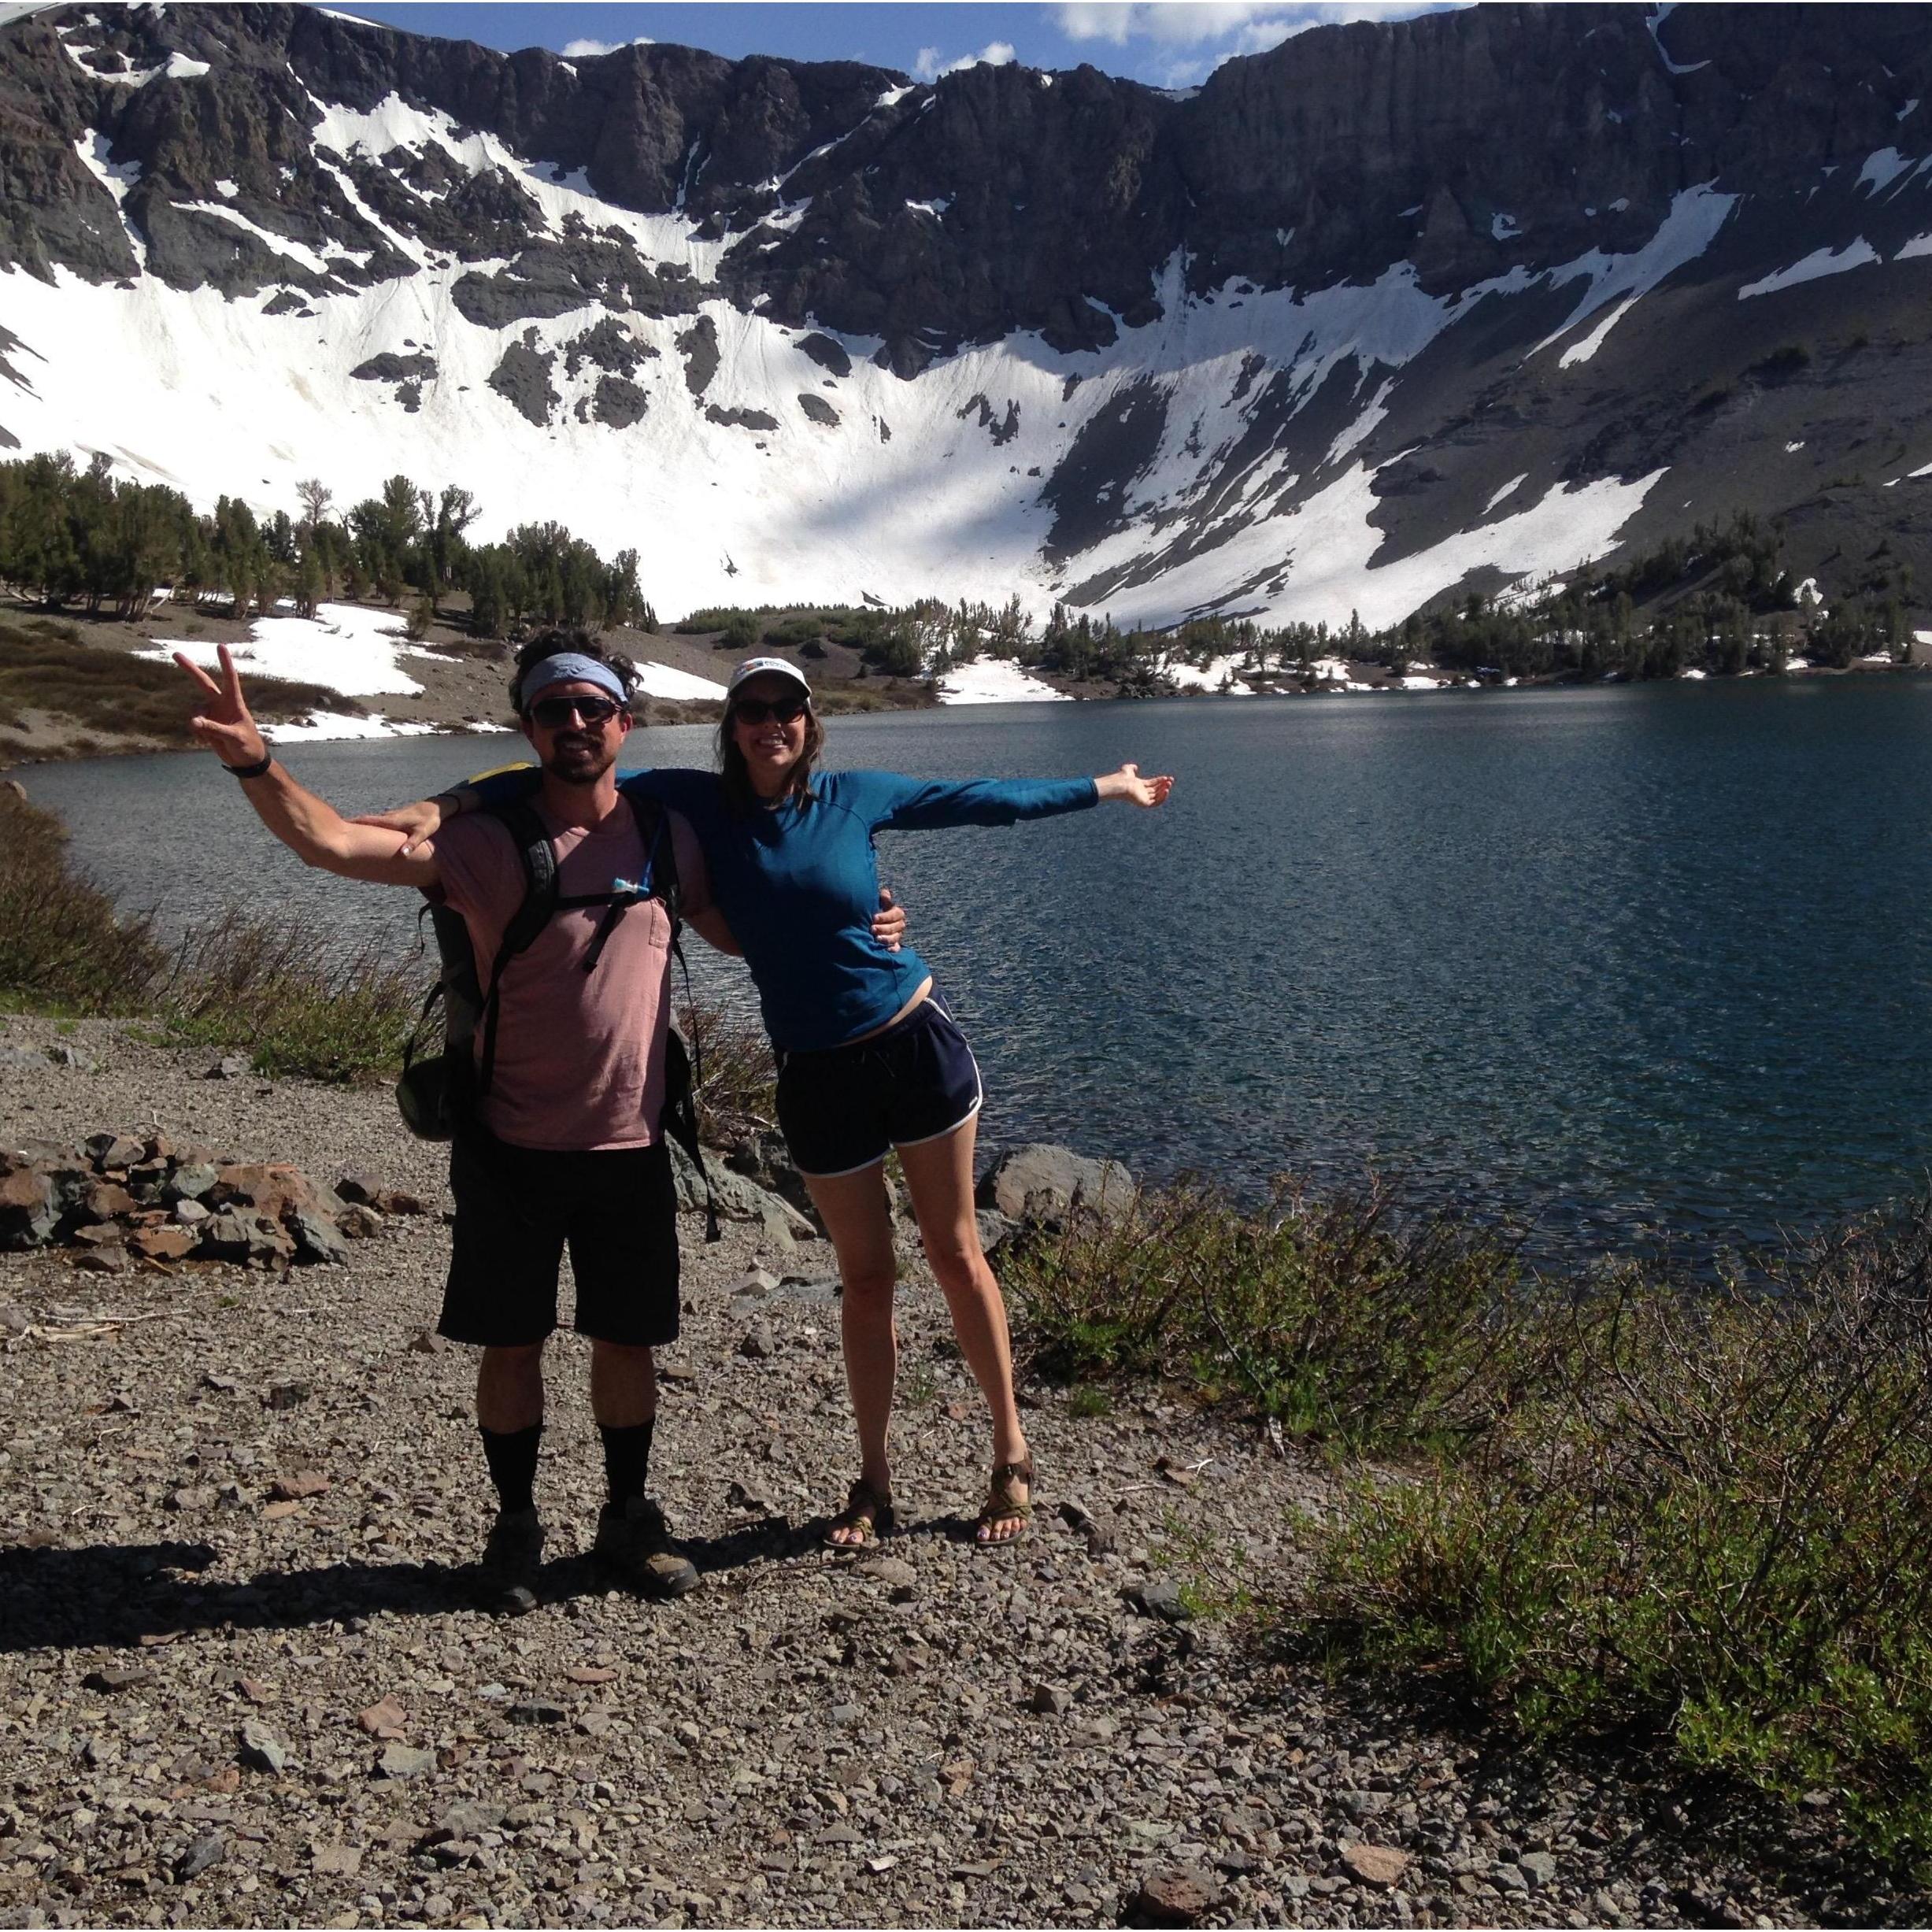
[1389, 310]
[241, 1680]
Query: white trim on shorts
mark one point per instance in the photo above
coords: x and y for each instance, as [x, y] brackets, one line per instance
[926, 1140]
[979, 1096]
[876, 1160]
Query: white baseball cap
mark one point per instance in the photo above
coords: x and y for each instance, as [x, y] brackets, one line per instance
[760, 667]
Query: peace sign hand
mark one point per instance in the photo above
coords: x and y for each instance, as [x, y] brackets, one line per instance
[224, 726]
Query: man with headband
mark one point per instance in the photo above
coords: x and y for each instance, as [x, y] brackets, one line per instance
[565, 1146]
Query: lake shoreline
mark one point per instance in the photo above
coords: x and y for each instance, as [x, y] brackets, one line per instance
[460, 683]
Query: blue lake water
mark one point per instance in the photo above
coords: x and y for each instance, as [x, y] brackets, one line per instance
[1624, 962]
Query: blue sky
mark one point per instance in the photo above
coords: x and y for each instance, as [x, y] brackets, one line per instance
[1172, 45]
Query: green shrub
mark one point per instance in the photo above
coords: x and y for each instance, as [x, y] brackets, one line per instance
[284, 989]
[736, 1081]
[1710, 1521]
[790, 633]
[1342, 1319]
[281, 989]
[62, 947]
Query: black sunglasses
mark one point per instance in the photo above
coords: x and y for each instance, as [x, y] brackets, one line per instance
[552, 714]
[755, 710]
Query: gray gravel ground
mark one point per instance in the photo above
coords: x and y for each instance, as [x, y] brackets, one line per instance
[221, 1707]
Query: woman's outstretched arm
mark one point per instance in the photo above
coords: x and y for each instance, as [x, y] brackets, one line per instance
[890, 801]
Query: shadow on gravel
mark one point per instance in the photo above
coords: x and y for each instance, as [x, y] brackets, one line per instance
[112, 1595]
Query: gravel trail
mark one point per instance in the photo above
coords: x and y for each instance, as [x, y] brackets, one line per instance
[241, 1681]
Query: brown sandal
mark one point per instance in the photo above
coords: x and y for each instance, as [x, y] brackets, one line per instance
[1003, 1506]
[867, 1510]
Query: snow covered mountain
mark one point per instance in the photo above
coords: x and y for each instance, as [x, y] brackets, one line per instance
[1387, 310]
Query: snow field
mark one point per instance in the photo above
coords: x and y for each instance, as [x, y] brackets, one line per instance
[190, 390]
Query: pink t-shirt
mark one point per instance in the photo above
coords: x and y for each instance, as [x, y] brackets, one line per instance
[579, 1056]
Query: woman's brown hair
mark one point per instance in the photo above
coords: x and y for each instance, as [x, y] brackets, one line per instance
[739, 793]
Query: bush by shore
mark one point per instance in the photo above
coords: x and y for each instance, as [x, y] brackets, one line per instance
[1691, 1513]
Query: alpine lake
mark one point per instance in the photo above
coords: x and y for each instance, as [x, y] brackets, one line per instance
[1626, 966]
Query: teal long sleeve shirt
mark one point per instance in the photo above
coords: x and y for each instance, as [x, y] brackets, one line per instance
[799, 881]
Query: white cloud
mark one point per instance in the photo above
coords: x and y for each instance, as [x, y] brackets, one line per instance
[931, 64]
[1250, 26]
[589, 50]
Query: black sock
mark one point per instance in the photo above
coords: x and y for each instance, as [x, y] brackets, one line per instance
[626, 1458]
[512, 1460]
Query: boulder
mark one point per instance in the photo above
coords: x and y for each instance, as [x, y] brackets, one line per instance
[28, 1212]
[738, 1199]
[1376, 1865]
[1179, 1896]
[1040, 1182]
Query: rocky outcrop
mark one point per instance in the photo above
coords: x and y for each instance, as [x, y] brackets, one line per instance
[118, 1199]
[1468, 143]
[522, 379]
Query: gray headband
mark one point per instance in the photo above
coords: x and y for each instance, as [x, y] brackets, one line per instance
[568, 667]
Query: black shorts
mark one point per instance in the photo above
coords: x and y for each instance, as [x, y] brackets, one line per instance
[516, 1207]
[839, 1110]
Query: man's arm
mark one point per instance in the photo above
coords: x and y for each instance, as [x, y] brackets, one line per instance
[311, 827]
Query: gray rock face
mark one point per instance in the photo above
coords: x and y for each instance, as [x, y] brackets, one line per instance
[395, 369]
[829, 355]
[1319, 162]
[619, 401]
[610, 347]
[742, 418]
[698, 344]
[818, 409]
[522, 379]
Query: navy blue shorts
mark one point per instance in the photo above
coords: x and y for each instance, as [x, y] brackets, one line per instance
[839, 1110]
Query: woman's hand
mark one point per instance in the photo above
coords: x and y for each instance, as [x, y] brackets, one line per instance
[889, 921]
[225, 724]
[416, 822]
[1127, 783]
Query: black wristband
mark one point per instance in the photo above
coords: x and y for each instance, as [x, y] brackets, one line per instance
[252, 770]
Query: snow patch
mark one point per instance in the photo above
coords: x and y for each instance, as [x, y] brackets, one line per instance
[1881, 170]
[663, 681]
[345, 647]
[1791, 448]
[333, 726]
[1508, 489]
[1659, 15]
[1218, 675]
[1822, 261]
[995, 681]
[1684, 234]
[1918, 245]
[1503, 228]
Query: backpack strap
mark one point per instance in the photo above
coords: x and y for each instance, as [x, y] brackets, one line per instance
[527, 831]
[660, 881]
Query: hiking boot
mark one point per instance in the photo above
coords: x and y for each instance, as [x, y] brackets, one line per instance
[634, 1544]
[507, 1576]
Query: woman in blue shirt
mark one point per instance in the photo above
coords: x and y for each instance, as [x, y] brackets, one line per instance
[868, 1058]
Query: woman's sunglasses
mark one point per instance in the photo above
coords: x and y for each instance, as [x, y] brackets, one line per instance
[756, 710]
[553, 713]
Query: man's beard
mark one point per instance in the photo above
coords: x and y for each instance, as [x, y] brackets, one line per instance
[583, 763]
